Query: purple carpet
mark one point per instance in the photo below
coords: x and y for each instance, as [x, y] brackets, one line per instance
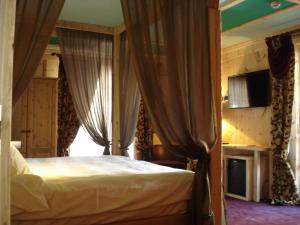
[252, 213]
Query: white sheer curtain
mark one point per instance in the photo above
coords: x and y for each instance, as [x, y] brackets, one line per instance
[83, 145]
[129, 95]
[238, 92]
[87, 57]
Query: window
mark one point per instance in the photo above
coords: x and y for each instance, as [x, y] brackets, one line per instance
[83, 145]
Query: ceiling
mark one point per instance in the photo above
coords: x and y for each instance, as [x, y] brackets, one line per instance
[242, 22]
[247, 11]
[98, 12]
[255, 18]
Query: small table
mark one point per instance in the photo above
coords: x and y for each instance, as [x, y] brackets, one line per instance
[256, 150]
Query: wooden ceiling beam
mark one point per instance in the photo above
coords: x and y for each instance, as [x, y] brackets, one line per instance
[120, 28]
[85, 27]
[230, 3]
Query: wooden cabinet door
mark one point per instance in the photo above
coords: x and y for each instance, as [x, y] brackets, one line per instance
[42, 118]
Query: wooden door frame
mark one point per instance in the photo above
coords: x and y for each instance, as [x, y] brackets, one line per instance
[7, 28]
[216, 155]
[296, 156]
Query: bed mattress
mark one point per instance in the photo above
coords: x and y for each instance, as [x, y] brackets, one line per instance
[108, 185]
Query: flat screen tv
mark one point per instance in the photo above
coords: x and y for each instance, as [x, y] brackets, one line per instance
[249, 90]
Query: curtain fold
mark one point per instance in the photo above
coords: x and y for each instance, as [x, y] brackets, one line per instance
[144, 135]
[281, 55]
[129, 96]
[35, 21]
[87, 58]
[68, 123]
[171, 49]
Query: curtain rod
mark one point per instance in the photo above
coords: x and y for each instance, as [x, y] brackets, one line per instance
[294, 33]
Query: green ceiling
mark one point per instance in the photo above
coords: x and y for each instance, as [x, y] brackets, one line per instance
[247, 11]
[261, 29]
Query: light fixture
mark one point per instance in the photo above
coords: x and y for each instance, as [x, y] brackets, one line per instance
[275, 4]
[227, 131]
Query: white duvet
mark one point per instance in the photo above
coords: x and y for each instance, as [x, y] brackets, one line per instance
[92, 185]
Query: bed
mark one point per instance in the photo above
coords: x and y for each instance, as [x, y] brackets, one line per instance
[99, 190]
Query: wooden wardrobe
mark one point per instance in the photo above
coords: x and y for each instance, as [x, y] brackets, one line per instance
[34, 119]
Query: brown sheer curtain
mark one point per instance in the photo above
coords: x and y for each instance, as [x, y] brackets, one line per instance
[281, 55]
[170, 41]
[35, 21]
[129, 96]
[144, 135]
[67, 123]
[87, 58]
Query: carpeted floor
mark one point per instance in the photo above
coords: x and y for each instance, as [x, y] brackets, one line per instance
[252, 213]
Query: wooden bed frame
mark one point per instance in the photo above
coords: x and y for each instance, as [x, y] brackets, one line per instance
[178, 219]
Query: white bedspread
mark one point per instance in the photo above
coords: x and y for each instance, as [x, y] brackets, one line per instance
[92, 185]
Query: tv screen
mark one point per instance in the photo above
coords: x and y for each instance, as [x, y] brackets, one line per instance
[249, 90]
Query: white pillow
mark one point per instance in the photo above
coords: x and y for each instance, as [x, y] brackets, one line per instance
[27, 193]
[18, 163]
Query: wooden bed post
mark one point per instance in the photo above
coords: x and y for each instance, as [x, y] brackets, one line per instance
[115, 98]
[216, 157]
[115, 101]
[7, 27]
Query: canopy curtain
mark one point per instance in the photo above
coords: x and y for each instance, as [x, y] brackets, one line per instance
[281, 56]
[129, 96]
[170, 41]
[67, 123]
[35, 21]
[87, 58]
